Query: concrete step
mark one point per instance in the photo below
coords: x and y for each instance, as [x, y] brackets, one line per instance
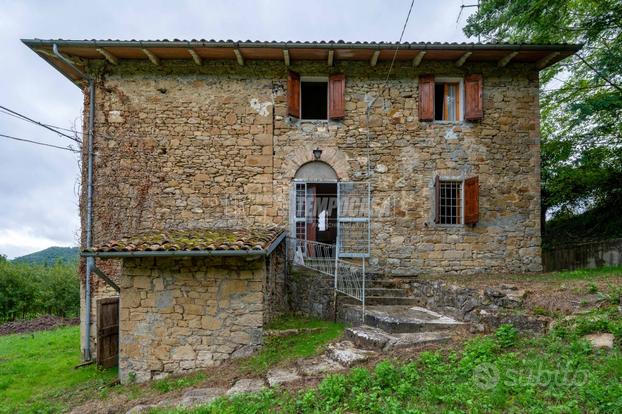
[369, 337]
[408, 319]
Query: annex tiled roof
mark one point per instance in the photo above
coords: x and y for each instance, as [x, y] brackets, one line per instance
[252, 239]
[75, 52]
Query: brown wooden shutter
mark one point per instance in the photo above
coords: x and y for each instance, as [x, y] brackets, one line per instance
[336, 96]
[437, 199]
[426, 97]
[293, 94]
[471, 200]
[473, 97]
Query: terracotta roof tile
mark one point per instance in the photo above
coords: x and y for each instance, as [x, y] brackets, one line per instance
[251, 238]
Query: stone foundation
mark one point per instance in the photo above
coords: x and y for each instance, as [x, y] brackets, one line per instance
[180, 314]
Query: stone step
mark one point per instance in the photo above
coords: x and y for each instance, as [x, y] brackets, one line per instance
[369, 337]
[385, 292]
[407, 319]
[384, 283]
[380, 300]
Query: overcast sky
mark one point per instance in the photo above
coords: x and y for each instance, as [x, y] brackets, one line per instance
[38, 185]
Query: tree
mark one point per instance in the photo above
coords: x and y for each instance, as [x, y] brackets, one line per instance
[581, 97]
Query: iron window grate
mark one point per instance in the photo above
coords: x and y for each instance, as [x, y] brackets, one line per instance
[450, 202]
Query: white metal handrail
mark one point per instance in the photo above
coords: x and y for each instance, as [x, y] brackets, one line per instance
[349, 277]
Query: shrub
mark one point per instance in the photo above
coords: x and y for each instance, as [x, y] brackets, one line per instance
[507, 335]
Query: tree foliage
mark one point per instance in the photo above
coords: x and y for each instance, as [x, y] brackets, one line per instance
[581, 97]
[28, 290]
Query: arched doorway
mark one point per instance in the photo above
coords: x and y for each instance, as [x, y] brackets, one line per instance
[314, 199]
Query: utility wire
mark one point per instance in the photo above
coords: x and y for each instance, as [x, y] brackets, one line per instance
[41, 124]
[38, 143]
[399, 43]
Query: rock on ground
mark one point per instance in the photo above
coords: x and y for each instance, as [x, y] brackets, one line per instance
[318, 366]
[200, 396]
[347, 354]
[600, 340]
[280, 376]
[246, 385]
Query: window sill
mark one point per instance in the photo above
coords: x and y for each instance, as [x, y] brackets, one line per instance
[313, 121]
[449, 122]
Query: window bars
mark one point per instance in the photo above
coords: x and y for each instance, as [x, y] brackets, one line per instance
[450, 202]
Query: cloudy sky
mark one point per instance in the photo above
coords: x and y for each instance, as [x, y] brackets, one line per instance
[38, 185]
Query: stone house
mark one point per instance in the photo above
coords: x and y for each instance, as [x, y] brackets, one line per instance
[425, 165]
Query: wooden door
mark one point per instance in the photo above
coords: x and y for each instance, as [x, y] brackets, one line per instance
[107, 332]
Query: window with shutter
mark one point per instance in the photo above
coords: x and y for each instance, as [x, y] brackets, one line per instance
[293, 94]
[426, 98]
[336, 96]
[471, 200]
[473, 96]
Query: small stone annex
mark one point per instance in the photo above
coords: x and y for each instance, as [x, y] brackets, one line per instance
[190, 299]
[245, 179]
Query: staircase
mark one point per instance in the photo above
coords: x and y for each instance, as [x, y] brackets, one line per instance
[393, 320]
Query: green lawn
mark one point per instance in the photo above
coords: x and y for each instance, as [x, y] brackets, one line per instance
[37, 372]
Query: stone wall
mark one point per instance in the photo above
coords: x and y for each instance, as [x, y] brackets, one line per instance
[180, 145]
[180, 314]
[310, 293]
[485, 309]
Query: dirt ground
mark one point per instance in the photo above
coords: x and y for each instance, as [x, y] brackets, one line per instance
[42, 323]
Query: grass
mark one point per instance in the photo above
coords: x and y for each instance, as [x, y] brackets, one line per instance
[176, 383]
[279, 350]
[505, 372]
[37, 372]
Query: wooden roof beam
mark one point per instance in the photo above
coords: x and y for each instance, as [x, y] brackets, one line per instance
[153, 58]
[195, 56]
[239, 57]
[506, 59]
[417, 60]
[109, 56]
[374, 58]
[286, 57]
[545, 60]
[463, 58]
[331, 57]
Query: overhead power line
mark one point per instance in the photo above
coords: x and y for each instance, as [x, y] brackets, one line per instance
[38, 143]
[41, 124]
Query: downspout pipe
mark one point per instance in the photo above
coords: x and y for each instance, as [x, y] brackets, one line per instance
[90, 261]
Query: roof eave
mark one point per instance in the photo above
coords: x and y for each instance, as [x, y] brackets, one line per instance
[188, 253]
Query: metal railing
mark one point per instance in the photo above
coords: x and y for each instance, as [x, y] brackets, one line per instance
[349, 276]
[313, 255]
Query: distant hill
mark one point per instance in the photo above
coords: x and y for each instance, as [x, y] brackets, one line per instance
[50, 256]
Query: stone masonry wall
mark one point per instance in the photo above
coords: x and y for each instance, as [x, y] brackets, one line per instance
[181, 145]
[180, 314]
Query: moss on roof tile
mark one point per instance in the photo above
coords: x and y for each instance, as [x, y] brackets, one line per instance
[250, 238]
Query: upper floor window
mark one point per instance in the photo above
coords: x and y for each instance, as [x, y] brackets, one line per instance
[447, 100]
[450, 99]
[316, 98]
